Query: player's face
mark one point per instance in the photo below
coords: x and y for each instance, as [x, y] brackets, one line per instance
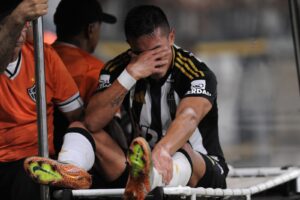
[159, 38]
[94, 36]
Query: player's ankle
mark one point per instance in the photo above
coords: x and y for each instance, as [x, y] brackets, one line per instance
[156, 179]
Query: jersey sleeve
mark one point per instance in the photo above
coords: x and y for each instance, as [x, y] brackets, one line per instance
[112, 70]
[202, 86]
[65, 91]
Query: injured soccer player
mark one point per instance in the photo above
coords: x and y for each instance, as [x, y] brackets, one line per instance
[170, 97]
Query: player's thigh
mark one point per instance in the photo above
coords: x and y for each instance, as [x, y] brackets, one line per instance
[198, 164]
[110, 155]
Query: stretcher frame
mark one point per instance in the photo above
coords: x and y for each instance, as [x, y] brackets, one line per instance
[277, 176]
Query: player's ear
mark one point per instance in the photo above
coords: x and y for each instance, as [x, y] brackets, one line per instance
[89, 30]
[171, 36]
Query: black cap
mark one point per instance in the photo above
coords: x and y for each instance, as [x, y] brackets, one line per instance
[7, 6]
[81, 12]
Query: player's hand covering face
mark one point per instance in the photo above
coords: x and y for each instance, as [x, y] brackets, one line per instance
[151, 55]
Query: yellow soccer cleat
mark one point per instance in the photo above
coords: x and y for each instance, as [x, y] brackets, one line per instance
[140, 165]
[50, 172]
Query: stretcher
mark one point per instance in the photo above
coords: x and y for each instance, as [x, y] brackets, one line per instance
[242, 183]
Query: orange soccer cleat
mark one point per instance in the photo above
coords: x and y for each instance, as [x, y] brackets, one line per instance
[140, 164]
[50, 172]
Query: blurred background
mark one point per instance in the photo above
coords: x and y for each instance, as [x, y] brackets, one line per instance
[248, 44]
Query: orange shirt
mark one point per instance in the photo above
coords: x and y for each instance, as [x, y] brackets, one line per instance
[18, 120]
[83, 67]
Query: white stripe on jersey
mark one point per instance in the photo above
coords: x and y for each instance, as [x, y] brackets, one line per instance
[145, 118]
[13, 68]
[71, 104]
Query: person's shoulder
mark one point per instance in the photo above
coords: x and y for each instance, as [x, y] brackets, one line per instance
[27, 48]
[118, 62]
[187, 56]
[50, 53]
[187, 64]
[90, 59]
[48, 47]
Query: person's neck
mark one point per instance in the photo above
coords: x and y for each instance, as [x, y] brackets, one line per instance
[78, 42]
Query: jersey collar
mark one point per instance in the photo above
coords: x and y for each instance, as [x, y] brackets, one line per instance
[13, 68]
[65, 44]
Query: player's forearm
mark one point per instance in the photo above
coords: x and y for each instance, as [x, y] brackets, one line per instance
[10, 30]
[103, 106]
[179, 131]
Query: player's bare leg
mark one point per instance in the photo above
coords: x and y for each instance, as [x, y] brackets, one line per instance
[110, 156]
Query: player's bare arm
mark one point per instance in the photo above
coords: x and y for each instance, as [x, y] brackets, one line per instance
[12, 25]
[104, 105]
[191, 111]
[75, 115]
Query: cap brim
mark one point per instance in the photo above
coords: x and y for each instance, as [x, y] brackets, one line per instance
[108, 18]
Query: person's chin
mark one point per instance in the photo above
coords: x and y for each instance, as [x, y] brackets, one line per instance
[156, 76]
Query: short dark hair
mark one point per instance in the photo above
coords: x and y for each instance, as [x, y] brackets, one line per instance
[72, 16]
[143, 20]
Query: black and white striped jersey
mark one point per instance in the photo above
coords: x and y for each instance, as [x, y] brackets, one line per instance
[151, 101]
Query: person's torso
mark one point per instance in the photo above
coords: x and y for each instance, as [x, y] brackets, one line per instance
[18, 117]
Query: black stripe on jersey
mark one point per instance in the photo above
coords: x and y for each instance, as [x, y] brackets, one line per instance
[119, 60]
[155, 94]
[189, 64]
[139, 98]
[18, 64]
[10, 74]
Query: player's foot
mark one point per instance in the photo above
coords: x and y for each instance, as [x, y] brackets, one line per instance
[50, 172]
[140, 165]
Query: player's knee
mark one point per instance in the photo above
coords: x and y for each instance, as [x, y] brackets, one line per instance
[101, 137]
[77, 124]
[197, 162]
[188, 148]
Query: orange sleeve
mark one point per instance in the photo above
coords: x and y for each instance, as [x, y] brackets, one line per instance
[65, 91]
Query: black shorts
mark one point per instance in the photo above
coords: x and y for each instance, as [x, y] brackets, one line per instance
[215, 174]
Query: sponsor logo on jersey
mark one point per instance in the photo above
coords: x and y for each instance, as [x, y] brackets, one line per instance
[104, 81]
[198, 87]
[32, 92]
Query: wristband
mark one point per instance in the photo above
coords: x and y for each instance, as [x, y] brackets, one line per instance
[126, 80]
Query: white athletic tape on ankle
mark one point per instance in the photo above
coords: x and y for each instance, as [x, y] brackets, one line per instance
[126, 80]
[156, 180]
[182, 172]
[77, 150]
